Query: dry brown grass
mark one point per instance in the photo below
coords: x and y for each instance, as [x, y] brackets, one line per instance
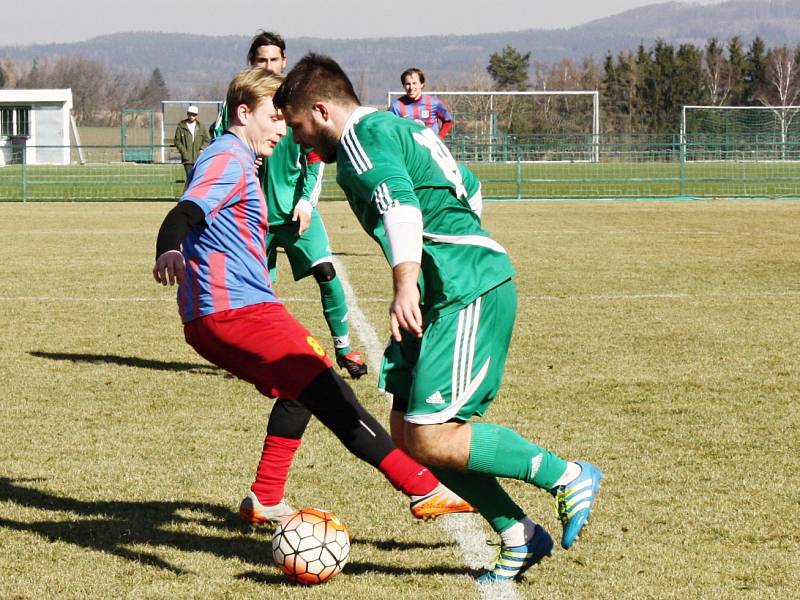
[659, 340]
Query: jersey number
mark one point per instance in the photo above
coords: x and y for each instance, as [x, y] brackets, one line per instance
[443, 158]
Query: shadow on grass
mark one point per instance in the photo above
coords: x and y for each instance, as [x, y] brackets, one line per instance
[116, 527]
[367, 254]
[365, 567]
[129, 361]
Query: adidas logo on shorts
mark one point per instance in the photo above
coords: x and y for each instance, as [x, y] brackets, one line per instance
[435, 398]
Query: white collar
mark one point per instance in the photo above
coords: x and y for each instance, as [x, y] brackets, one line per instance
[356, 116]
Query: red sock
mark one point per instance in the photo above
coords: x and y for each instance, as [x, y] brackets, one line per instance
[273, 469]
[406, 474]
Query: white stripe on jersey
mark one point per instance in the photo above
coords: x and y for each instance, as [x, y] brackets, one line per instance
[468, 240]
[468, 320]
[315, 193]
[383, 199]
[455, 384]
[474, 336]
[355, 152]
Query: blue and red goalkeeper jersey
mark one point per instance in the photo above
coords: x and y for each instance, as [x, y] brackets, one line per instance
[226, 261]
[429, 110]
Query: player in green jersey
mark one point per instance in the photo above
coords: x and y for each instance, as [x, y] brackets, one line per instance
[452, 314]
[292, 188]
[291, 179]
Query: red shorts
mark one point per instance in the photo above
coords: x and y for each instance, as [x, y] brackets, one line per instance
[262, 344]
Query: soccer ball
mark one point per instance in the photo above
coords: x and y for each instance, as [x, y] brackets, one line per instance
[310, 546]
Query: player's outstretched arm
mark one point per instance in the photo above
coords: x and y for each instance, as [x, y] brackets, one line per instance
[170, 265]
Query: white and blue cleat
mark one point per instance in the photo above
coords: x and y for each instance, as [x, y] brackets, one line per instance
[575, 501]
[513, 561]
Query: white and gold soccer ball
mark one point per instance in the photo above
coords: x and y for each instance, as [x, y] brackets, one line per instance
[311, 546]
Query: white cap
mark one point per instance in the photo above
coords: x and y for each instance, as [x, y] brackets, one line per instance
[192, 109]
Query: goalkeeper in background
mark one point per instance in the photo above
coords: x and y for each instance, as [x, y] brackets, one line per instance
[424, 108]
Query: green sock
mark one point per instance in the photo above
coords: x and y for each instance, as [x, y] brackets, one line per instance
[487, 496]
[502, 452]
[334, 307]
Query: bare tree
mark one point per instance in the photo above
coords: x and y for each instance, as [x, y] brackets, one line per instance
[783, 88]
[718, 72]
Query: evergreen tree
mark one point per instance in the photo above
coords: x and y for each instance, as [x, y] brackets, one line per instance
[610, 94]
[2, 78]
[736, 63]
[618, 92]
[689, 85]
[755, 72]
[509, 69]
[152, 93]
[658, 94]
[640, 106]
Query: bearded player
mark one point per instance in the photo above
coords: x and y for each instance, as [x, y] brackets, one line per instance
[452, 313]
[212, 244]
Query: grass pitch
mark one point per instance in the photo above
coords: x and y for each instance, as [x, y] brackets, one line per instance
[659, 340]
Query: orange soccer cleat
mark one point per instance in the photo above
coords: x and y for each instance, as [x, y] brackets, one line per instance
[440, 501]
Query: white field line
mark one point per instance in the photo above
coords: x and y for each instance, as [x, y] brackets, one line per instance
[464, 529]
[355, 314]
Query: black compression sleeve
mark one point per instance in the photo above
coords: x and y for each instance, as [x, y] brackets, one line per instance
[288, 419]
[176, 226]
[333, 402]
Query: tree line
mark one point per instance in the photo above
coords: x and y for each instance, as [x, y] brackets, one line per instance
[98, 94]
[641, 91]
[644, 90]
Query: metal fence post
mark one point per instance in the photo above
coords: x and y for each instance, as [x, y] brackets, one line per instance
[682, 167]
[519, 176]
[24, 172]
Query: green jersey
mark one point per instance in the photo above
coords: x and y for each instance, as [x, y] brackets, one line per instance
[385, 162]
[296, 174]
[291, 174]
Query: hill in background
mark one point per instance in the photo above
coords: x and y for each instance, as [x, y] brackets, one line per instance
[195, 65]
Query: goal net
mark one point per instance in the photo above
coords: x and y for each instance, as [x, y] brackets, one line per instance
[488, 126]
[738, 133]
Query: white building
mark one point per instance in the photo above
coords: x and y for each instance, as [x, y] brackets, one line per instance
[40, 119]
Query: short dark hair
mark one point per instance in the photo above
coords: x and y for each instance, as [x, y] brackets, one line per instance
[265, 38]
[314, 77]
[411, 71]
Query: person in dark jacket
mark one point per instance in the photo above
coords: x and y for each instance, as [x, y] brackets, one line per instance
[190, 138]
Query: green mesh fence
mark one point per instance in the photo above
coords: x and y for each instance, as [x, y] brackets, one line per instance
[632, 166]
[512, 167]
[95, 173]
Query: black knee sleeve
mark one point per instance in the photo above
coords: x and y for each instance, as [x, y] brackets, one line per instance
[323, 272]
[333, 402]
[288, 419]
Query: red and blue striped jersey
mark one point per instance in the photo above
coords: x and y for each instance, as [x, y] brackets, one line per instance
[428, 110]
[226, 261]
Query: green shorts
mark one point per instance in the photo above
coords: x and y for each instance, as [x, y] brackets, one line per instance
[303, 252]
[455, 370]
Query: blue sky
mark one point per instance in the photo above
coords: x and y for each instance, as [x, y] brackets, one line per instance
[78, 20]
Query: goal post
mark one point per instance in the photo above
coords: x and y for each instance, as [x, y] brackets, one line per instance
[740, 133]
[532, 126]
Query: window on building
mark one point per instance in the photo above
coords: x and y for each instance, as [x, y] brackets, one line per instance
[15, 120]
